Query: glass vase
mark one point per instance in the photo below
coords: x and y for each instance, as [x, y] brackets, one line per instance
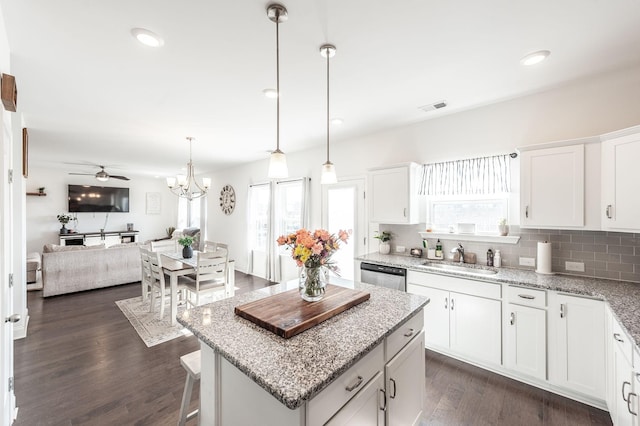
[313, 281]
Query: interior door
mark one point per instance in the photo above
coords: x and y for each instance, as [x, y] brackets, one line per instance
[344, 208]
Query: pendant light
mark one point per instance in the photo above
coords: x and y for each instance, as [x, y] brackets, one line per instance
[186, 186]
[328, 169]
[277, 162]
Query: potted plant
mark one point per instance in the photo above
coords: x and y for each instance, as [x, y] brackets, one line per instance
[64, 219]
[187, 250]
[503, 228]
[384, 237]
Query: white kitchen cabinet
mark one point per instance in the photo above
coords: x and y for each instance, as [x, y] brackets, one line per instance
[404, 384]
[552, 183]
[577, 344]
[620, 202]
[463, 317]
[393, 196]
[526, 340]
[365, 408]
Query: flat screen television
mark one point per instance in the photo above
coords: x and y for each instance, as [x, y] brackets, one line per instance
[95, 199]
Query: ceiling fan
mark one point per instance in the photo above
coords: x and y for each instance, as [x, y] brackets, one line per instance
[102, 176]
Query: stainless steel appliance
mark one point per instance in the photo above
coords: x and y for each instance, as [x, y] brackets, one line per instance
[384, 276]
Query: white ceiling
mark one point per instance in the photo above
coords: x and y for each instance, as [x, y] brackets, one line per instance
[90, 93]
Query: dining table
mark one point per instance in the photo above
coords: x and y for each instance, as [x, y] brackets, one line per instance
[175, 265]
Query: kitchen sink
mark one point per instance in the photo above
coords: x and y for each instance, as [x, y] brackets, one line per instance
[459, 268]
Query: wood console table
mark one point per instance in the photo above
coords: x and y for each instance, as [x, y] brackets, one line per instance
[108, 238]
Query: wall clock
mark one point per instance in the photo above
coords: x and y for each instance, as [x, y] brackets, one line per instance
[227, 199]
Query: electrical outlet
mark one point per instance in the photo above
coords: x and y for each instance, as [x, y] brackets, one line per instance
[528, 261]
[400, 249]
[574, 266]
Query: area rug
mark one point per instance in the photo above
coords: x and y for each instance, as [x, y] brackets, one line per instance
[151, 329]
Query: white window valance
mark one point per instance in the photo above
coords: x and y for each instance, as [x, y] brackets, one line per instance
[475, 176]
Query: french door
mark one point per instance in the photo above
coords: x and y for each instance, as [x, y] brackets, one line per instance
[344, 208]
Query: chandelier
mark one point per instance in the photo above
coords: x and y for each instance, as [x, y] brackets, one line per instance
[187, 186]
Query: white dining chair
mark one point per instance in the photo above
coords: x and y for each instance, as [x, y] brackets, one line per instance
[165, 246]
[145, 279]
[212, 246]
[161, 287]
[210, 277]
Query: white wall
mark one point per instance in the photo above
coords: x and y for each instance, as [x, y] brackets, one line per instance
[584, 108]
[42, 227]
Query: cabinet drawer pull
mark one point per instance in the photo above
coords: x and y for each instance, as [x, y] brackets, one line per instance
[393, 395]
[608, 211]
[404, 212]
[512, 318]
[618, 338]
[526, 296]
[355, 385]
[409, 333]
[562, 314]
[452, 304]
[446, 303]
[623, 396]
[526, 212]
[629, 404]
[384, 400]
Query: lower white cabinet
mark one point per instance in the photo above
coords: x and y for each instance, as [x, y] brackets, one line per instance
[404, 384]
[577, 344]
[364, 408]
[466, 322]
[526, 340]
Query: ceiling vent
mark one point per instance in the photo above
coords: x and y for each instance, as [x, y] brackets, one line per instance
[434, 106]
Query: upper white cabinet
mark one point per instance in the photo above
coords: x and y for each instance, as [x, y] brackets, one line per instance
[552, 187]
[393, 195]
[620, 201]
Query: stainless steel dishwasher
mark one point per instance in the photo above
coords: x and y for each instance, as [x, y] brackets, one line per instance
[383, 276]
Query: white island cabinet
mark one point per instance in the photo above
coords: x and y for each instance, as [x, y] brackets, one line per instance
[363, 366]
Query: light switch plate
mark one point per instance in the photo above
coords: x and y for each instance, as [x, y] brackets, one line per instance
[574, 266]
[528, 261]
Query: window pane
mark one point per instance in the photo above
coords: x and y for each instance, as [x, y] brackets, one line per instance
[194, 213]
[289, 207]
[484, 213]
[259, 198]
[183, 213]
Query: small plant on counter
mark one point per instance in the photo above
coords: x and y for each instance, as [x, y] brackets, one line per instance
[64, 218]
[186, 241]
[383, 236]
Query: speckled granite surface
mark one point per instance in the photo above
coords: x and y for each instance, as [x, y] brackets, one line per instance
[623, 297]
[296, 369]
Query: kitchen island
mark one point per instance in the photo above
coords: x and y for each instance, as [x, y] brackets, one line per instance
[335, 370]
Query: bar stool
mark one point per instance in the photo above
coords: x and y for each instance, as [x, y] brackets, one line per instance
[191, 363]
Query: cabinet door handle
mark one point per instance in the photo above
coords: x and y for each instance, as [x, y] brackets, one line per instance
[446, 303]
[393, 395]
[512, 318]
[629, 404]
[404, 212]
[638, 377]
[526, 296]
[452, 304]
[384, 400]
[354, 385]
[526, 212]
[623, 393]
[562, 314]
[608, 211]
[409, 333]
[617, 337]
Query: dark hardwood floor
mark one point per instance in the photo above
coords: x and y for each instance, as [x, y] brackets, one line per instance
[82, 363]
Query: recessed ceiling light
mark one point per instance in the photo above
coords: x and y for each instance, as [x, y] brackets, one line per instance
[146, 37]
[338, 121]
[270, 93]
[535, 57]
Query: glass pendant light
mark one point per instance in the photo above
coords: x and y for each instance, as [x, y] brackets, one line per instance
[328, 175]
[278, 161]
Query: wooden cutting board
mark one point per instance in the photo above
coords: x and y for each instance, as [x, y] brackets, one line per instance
[286, 314]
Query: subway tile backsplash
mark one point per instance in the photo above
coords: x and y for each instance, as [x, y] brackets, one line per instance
[611, 255]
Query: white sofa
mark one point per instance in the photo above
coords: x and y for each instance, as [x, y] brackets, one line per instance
[68, 269]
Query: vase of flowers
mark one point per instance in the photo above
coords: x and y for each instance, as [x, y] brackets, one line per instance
[384, 237]
[64, 219]
[187, 250]
[312, 253]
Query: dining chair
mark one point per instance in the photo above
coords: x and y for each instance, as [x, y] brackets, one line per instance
[212, 246]
[159, 285]
[210, 276]
[165, 246]
[145, 279]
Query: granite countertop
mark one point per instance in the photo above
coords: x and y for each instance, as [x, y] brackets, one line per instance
[295, 370]
[623, 297]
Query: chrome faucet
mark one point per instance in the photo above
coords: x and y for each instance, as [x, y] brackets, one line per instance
[460, 251]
